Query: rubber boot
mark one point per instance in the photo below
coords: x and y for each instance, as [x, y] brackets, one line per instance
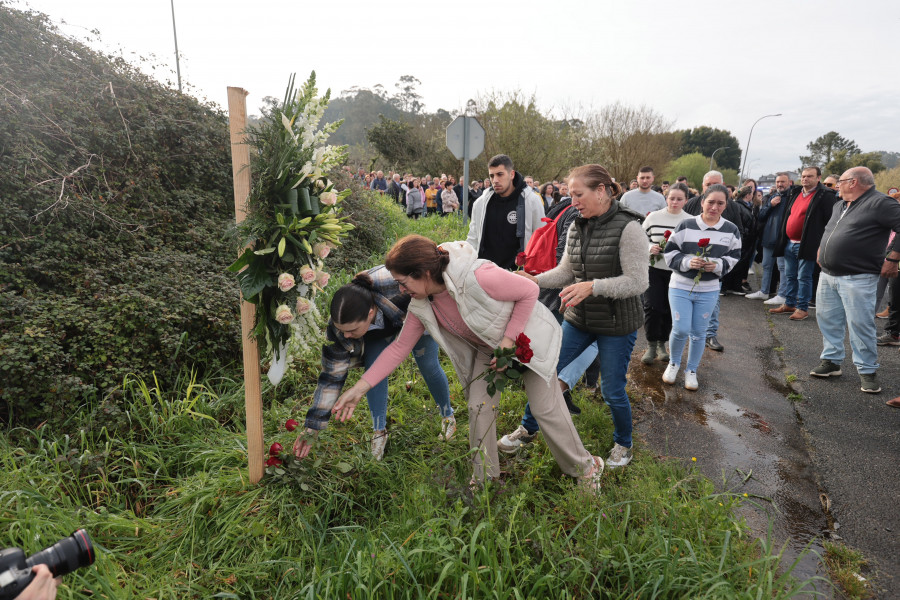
[650, 355]
[663, 354]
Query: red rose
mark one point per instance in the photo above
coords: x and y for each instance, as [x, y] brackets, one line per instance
[273, 461]
[703, 243]
[523, 340]
[524, 354]
[291, 424]
[667, 234]
[520, 259]
[275, 449]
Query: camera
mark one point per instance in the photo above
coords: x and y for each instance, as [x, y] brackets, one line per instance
[63, 557]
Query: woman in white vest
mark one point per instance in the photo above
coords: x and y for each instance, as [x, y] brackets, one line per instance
[470, 307]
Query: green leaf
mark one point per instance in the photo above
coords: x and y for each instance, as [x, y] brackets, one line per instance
[304, 487]
[502, 362]
[513, 374]
[264, 252]
[281, 246]
[344, 467]
[491, 389]
[501, 383]
[242, 261]
[254, 278]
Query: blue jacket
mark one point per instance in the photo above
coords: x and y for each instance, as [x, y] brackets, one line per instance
[770, 219]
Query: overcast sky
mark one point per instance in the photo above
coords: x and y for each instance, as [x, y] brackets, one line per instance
[825, 65]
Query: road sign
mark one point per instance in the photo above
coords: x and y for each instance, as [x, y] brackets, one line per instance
[461, 129]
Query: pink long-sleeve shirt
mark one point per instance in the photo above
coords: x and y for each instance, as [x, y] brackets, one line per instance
[498, 283]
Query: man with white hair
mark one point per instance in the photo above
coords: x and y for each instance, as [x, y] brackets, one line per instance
[852, 258]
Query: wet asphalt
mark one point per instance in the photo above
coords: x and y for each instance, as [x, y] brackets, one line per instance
[823, 467]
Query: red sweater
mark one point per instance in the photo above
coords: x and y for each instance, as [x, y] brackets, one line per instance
[794, 227]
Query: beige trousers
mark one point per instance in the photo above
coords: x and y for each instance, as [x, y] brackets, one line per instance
[548, 408]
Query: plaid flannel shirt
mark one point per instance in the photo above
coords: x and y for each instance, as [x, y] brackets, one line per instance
[343, 354]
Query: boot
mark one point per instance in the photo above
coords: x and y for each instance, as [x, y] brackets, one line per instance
[650, 355]
[662, 354]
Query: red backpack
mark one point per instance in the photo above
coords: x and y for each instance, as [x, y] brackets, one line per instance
[540, 253]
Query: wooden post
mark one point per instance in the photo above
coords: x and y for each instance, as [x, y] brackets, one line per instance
[240, 169]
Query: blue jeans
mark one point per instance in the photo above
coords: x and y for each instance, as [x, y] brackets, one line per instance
[798, 277]
[770, 262]
[615, 354]
[691, 312]
[712, 329]
[575, 369]
[848, 301]
[427, 359]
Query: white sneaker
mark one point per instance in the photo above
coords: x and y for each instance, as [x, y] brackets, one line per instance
[776, 299]
[619, 456]
[511, 442]
[670, 374]
[379, 441]
[760, 295]
[448, 428]
[690, 380]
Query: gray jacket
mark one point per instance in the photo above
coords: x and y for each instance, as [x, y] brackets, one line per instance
[857, 234]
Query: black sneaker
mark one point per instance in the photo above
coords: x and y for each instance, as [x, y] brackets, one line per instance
[745, 287]
[573, 408]
[826, 369]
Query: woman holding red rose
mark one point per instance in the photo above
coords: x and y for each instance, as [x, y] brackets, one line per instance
[659, 225]
[700, 252]
[470, 306]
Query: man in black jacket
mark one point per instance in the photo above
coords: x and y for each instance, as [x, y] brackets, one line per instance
[807, 210]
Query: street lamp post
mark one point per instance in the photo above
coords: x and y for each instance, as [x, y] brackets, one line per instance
[747, 148]
[714, 155]
[175, 33]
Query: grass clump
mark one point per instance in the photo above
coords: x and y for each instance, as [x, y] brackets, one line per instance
[845, 565]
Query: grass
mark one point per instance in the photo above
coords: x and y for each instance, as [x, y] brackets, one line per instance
[790, 378]
[845, 567]
[159, 479]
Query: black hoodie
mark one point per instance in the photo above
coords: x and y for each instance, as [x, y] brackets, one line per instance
[504, 217]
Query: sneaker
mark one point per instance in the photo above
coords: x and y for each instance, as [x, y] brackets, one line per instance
[591, 481]
[868, 382]
[760, 295]
[690, 381]
[573, 408]
[448, 428]
[619, 456]
[650, 355]
[662, 353]
[888, 339]
[826, 369]
[745, 287]
[776, 300]
[735, 292]
[670, 374]
[511, 442]
[379, 441]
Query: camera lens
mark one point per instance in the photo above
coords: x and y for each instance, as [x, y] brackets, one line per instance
[66, 555]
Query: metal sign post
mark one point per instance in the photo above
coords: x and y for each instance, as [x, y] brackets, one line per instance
[465, 139]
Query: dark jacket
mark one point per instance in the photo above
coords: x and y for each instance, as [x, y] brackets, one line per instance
[549, 297]
[817, 216]
[736, 212]
[769, 219]
[856, 234]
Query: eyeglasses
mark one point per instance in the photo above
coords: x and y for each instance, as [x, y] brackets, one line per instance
[840, 181]
[829, 185]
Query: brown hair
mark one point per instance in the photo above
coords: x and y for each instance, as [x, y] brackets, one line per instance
[417, 257]
[595, 175]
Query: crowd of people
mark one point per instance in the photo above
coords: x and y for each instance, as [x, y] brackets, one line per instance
[659, 258]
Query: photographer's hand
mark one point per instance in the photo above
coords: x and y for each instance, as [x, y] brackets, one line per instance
[42, 587]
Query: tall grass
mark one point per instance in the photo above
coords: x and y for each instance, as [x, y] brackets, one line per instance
[158, 477]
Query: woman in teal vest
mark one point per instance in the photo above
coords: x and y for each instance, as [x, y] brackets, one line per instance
[603, 274]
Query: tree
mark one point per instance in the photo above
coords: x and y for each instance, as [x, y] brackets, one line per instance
[843, 160]
[397, 141]
[823, 149]
[706, 140]
[406, 98]
[889, 159]
[624, 138]
[885, 180]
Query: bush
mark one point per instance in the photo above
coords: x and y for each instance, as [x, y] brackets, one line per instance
[116, 195]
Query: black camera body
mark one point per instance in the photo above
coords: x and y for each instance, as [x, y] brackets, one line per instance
[63, 557]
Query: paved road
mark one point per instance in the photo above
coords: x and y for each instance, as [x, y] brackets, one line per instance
[748, 436]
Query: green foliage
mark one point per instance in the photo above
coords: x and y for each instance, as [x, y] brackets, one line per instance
[693, 166]
[843, 160]
[885, 180]
[845, 565]
[825, 147]
[707, 140]
[116, 192]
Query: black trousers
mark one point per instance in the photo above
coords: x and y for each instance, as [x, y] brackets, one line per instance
[893, 325]
[657, 313]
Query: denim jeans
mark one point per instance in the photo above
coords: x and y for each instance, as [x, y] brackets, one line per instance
[770, 262]
[798, 277]
[575, 369]
[615, 354]
[848, 301]
[690, 314]
[426, 354]
[712, 329]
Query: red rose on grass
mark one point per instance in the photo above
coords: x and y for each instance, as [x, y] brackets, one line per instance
[520, 259]
[667, 234]
[273, 461]
[275, 449]
[703, 243]
[291, 424]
